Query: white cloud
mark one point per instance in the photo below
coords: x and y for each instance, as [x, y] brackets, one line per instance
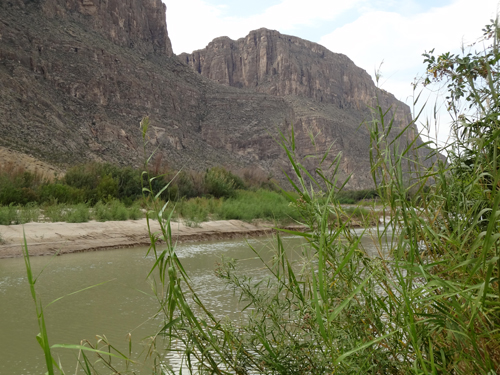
[399, 41]
[192, 24]
[290, 14]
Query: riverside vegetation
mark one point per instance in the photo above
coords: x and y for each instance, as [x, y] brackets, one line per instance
[428, 304]
[106, 192]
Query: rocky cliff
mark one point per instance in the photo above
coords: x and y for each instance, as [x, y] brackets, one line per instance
[329, 94]
[77, 76]
[128, 23]
[284, 65]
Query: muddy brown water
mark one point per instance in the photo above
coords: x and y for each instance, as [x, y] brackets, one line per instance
[116, 308]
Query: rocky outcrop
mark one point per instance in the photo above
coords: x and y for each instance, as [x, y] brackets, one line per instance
[77, 76]
[74, 89]
[284, 65]
[329, 94]
[129, 23]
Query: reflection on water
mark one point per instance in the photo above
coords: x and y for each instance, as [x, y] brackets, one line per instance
[117, 308]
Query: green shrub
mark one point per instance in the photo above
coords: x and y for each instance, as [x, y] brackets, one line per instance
[58, 192]
[78, 214]
[105, 181]
[221, 183]
[30, 212]
[10, 194]
[134, 212]
[245, 205]
[186, 185]
[102, 212]
[18, 186]
[193, 211]
[129, 183]
[346, 200]
[113, 210]
[84, 176]
[262, 204]
[56, 212]
[118, 210]
[353, 196]
[9, 215]
[107, 189]
[357, 211]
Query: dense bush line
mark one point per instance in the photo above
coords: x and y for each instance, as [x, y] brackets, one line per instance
[103, 191]
[93, 182]
[353, 196]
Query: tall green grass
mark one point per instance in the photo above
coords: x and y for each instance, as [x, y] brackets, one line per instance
[78, 214]
[427, 303]
[113, 210]
[8, 215]
[243, 205]
[260, 204]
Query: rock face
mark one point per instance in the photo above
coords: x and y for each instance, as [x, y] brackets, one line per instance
[283, 65]
[76, 81]
[329, 94]
[77, 76]
[128, 23]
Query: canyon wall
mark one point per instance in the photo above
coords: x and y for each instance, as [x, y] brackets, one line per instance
[330, 95]
[77, 76]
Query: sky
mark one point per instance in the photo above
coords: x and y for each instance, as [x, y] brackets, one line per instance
[389, 35]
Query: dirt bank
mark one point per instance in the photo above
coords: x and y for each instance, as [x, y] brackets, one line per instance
[10, 159]
[64, 238]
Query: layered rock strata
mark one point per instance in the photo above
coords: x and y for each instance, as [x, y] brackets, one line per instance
[77, 76]
[330, 95]
[284, 65]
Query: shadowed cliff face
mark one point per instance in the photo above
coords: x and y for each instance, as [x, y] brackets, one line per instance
[77, 76]
[128, 23]
[329, 94]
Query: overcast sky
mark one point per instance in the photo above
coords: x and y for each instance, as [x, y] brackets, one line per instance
[396, 32]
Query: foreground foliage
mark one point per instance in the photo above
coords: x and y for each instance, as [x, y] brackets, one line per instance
[426, 302]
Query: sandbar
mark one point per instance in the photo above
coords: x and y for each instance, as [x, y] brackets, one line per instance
[64, 238]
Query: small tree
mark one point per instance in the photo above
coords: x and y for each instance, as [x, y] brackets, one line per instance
[107, 188]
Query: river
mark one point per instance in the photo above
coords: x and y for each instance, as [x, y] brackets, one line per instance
[116, 308]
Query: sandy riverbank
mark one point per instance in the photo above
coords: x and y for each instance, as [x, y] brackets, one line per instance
[64, 238]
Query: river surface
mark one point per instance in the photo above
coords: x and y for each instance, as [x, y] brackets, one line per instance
[119, 307]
